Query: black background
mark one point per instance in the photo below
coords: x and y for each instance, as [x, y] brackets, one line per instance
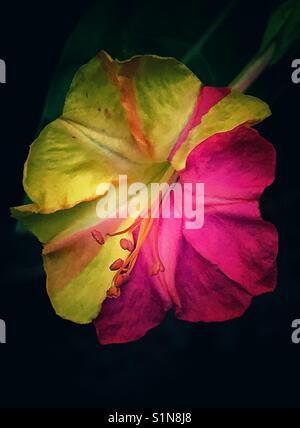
[47, 361]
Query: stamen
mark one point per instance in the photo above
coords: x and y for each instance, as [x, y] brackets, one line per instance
[117, 264]
[119, 279]
[158, 266]
[127, 245]
[113, 292]
[98, 237]
[125, 267]
[128, 229]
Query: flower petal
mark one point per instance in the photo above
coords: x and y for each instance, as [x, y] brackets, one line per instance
[123, 116]
[233, 110]
[207, 98]
[204, 292]
[58, 225]
[94, 104]
[144, 299]
[235, 167]
[141, 306]
[247, 246]
[66, 164]
[159, 96]
[78, 274]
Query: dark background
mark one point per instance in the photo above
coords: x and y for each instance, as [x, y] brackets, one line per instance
[50, 362]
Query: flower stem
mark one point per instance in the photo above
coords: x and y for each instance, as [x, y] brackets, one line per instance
[253, 70]
[197, 48]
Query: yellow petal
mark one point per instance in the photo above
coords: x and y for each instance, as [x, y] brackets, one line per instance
[59, 225]
[67, 163]
[78, 275]
[94, 104]
[77, 267]
[119, 118]
[159, 95]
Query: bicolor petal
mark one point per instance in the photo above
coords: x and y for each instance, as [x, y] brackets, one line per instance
[227, 113]
[146, 297]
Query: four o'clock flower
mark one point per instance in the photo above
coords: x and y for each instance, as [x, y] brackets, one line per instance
[151, 119]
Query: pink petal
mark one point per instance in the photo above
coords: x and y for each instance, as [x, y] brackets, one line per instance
[204, 292]
[238, 164]
[139, 308]
[144, 299]
[240, 244]
[237, 244]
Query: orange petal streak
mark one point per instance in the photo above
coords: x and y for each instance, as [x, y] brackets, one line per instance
[123, 77]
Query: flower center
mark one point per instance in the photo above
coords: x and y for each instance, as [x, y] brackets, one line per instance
[147, 223]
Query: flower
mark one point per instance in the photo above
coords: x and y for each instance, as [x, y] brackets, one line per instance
[150, 118]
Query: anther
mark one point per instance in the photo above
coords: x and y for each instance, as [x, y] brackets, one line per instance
[98, 237]
[117, 264]
[120, 279]
[126, 245]
[156, 268]
[113, 292]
